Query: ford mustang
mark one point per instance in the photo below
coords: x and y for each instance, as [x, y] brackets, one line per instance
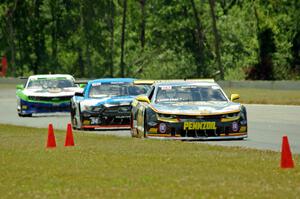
[105, 103]
[188, 110]
[45, 94]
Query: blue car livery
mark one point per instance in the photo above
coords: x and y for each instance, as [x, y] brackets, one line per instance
[105, 104]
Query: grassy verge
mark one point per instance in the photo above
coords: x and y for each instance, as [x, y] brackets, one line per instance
[8, 86]
[116, 167]
[248, 95]
[266, 96]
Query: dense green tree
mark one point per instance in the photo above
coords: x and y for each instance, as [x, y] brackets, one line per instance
[156, 39]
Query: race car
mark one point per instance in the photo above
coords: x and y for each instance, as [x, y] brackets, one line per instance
[105, 104]
[188, 110]
[45, 94]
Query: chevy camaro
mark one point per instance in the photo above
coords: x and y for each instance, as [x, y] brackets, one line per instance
[105, 104]
[45, 94]
[188, 110]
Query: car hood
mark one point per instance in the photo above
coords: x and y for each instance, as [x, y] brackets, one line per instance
[108, 101]
[196, 108]
[56, 92]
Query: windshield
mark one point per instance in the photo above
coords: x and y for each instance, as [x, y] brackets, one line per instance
[189, 93]
[99, 90]
[50, 83]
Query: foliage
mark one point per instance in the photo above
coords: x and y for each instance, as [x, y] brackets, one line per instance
[163, 38]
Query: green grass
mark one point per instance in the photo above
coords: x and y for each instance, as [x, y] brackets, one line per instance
[248, 95]
[7, 86]
[265, 96]
[118, 167]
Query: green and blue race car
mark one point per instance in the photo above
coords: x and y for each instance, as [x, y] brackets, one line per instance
[188, 110]
[45, 94]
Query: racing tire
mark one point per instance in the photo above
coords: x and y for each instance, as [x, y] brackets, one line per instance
[132, 130]
[145, 122]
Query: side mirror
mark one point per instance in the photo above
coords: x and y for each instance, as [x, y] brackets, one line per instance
[143, 98]
[234, 97]
[79, 94]
[20, 86]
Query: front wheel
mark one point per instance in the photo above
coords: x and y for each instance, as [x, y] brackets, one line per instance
[145, 126]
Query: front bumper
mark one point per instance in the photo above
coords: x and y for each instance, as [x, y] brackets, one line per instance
[41, 107]
[201, 138]
[117, 117]
[197, 130]
[105, 127]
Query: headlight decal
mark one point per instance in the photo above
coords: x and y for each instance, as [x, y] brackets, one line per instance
[230, 117]
[167, 118]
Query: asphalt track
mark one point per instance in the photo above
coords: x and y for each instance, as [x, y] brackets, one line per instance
[267, 123]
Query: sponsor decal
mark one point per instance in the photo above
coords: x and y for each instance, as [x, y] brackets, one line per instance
[117, 82]
[162, 128]
[235, 126]
[215, 87]
[199, 126]
[96, 84]
[166, 87]
[153, 130]
[243, 129]
[86, 122]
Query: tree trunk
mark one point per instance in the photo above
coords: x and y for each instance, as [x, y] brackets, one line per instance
[199, 39]
[143, 23]
[88, 58]
[122, 64]
[38, 40]
[112, 24]
[80, 62]
[217, 37]
[11, 37]
[54, 61]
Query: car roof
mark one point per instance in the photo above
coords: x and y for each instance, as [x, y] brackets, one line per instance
[201, 82]
[107, 80]
[50, 76]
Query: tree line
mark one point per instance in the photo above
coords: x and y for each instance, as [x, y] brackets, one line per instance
[153, 39]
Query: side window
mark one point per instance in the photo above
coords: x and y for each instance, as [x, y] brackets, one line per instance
[150, 92]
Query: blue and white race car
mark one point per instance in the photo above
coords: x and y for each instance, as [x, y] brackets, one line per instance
[105, 104]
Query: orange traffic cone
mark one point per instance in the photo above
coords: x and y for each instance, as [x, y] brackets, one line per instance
[69, 136]
[286, 155]
[51, 137]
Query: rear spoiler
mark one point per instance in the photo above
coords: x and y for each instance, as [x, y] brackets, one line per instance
[81, 81]
[185, 80]
[143, 82]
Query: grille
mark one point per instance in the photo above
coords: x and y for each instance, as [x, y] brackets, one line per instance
[117, 110]
[204, 133]
[38, 98]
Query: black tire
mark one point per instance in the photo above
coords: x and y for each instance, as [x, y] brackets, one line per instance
[145, 122]
[131, 126]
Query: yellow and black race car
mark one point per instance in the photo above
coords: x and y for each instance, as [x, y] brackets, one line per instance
[188, 110]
